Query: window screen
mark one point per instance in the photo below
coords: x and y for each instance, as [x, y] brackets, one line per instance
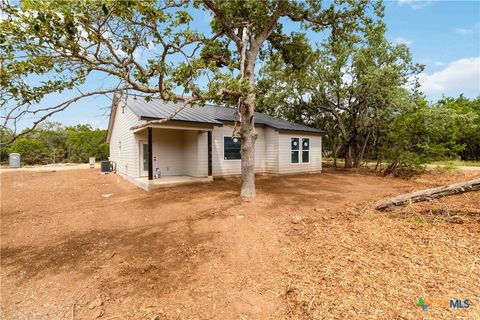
[294, 147]
[231, 148]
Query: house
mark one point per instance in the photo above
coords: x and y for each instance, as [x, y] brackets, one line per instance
[196, 144]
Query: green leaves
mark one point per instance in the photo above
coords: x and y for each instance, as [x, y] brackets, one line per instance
[55, 143]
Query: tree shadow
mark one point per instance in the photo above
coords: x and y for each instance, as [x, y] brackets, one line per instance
[163, 255]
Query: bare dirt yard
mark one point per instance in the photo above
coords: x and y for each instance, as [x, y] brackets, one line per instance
[308, 247]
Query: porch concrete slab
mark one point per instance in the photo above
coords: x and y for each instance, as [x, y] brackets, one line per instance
[170, 181]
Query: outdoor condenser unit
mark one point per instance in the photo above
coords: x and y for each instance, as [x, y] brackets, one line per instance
[106, 166]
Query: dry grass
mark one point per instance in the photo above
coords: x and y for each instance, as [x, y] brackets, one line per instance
[363, 264]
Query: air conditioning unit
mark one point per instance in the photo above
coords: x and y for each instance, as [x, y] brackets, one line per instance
[106, 166]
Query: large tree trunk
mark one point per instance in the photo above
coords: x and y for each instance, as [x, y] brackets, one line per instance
[349, 155]
[430, 194]
[248, 136]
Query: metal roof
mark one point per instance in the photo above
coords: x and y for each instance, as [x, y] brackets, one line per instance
[157, 109]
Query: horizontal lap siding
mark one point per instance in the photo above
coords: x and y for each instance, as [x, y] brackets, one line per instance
[271, 150]
[202, 156]
[223, 167]
[190, 160]
[126, 158]
[284, 154]
[168, 146]
[196, 153]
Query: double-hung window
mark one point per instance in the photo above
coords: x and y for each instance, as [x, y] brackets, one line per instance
[298, 149]
[295, 150]
[305, 150]
[231, 148]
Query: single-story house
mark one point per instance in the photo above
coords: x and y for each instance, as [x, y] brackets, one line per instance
[196, 144]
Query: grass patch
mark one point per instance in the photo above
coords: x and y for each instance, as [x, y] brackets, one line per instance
[457, 163]
[416, 219]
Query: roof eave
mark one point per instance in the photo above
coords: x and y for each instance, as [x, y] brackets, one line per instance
[218, 124]
[111, 118]
[304, 131]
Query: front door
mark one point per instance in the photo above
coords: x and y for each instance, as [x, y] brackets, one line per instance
[143, 159]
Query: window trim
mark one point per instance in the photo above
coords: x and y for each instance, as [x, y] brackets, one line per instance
[223, 149]
[300, 150]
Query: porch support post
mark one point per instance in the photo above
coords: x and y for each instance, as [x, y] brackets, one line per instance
[209, 153]
[150, 154]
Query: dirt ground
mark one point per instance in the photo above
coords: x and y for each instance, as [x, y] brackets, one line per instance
[308, 247]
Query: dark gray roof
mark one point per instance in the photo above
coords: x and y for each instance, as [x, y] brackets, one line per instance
[208, 114]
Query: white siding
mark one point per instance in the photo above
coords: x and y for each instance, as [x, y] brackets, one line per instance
[202, 154]
[123, 144]
[196, 153]
[285, 166]
[271, 150]
[222, 167]
[190, 159]
[178, 152]
[168, 152]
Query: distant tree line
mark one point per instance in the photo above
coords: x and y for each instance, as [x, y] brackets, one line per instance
[53, 143]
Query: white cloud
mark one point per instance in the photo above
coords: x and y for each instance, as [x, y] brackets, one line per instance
[416, 4]
[464, 31]
[459, 76]
[3, 16]
[400, 40]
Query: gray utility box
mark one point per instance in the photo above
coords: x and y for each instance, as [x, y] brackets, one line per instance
[92, 162]
[14, 160]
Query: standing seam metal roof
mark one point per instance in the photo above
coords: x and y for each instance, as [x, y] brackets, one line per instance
[208, 114]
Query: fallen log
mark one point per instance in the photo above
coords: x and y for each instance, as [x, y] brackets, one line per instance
[429, 194]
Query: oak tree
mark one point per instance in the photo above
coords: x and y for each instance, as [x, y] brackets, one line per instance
[347, 86]
[152, 48]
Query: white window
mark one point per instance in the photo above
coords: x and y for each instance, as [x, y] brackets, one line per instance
[305, 150]
[297, 149]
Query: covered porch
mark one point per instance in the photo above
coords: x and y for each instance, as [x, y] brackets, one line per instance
[172, 154]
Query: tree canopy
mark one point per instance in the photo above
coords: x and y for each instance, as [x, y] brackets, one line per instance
[54, 143]
[60, 43]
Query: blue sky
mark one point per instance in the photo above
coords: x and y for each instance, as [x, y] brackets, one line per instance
[443, 35]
